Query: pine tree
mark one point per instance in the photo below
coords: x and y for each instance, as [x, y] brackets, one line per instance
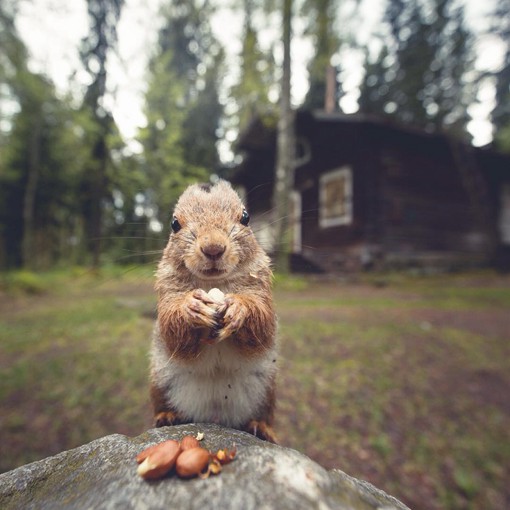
[500, 115]
[256, 72]
[39, 161]
[182, 104]
[96, 46]
[420, 75]
[321, 16]
[374, 90]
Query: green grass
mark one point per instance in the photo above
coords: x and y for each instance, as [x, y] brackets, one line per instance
[399, 380]
[22, 282]
[390, 385]
[72, 359]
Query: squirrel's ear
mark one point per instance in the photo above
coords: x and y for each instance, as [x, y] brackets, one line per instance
[176, 226]
[245, 218]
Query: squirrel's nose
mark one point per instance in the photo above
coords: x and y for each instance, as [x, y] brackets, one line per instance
[213, 251]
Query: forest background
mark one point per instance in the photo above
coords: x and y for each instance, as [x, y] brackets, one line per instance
[398, 380]
[74, 189]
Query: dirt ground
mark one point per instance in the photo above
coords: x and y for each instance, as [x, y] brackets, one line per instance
[406, 385]
[431, 412]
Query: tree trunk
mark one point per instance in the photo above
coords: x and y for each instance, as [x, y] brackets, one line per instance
[284, 172]
[34, 163]
[97, 195]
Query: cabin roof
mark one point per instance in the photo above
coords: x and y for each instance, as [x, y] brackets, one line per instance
[259, 137]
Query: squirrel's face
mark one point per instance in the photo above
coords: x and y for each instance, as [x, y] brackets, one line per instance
[210, 235]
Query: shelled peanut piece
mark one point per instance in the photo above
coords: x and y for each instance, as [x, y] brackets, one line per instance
[187, 456]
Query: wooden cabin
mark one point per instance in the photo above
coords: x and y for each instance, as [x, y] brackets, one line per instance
[369, 193]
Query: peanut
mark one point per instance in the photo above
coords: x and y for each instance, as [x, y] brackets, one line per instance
[217, 295]
[192, 462]
[188, 442]
[156, 461]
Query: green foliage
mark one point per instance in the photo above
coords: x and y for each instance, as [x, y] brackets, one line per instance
[22, 281]
[321, 16]
[257, 73]
[421, 75]
[69, 189]
[39, 167]
[182, 106]
[501, 112]
[96, 46]
[200, 127]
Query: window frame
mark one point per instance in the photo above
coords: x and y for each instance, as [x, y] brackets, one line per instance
[345, 173]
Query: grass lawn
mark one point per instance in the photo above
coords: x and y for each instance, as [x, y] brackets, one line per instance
[402, 381]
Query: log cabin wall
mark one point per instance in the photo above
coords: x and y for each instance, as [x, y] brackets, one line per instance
[334, 147]
[408, 198]
[426, 209]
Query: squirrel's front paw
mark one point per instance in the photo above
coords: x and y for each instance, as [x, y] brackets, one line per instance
[200, 309]
[234, 316]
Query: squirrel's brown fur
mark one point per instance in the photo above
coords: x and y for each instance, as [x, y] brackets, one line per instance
[214, 362]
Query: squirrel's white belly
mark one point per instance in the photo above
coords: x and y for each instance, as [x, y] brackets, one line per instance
[220, 386]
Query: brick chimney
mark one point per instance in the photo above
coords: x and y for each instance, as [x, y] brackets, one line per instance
[330, 94]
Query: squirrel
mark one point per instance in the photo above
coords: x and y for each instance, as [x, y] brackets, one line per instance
[214, 351]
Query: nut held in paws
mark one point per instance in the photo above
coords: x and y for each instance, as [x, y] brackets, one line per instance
[217, 295]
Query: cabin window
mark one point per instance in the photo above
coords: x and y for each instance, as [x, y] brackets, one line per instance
[335, 198]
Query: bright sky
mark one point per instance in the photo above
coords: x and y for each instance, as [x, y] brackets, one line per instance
[52, 30]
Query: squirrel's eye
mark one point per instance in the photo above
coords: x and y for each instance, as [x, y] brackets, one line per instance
[245, 218]
[176, 226]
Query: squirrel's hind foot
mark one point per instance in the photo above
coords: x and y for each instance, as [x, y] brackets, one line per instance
[261, 430]
[167, 418]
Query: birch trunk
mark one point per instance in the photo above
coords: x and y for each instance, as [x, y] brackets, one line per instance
[284, 172]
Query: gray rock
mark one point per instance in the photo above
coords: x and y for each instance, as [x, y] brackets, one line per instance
[102, 475]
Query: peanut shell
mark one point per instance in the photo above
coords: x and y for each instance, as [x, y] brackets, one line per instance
[188, 442]
[192, 462]
[156, 461]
